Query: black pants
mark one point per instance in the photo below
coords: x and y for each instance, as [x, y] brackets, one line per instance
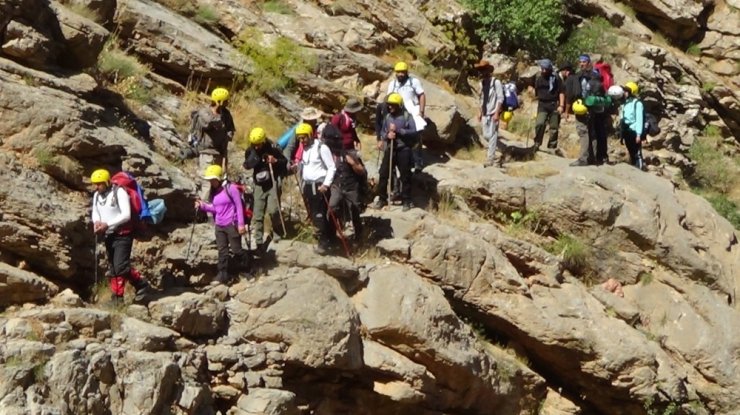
[403, 160]
[228, 236]
[598, 136]
[634, 149]
[547, 113]
[118, 248]
[317, 205]
[341, 198]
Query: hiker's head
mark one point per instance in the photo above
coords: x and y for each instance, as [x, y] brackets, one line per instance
[565, 70]
[545, 66]
[352, 106]
[394, 101]
[214, 173]
[632, 88]
[484, 68]
[257, 137]
[616, 92]
[100, 178]
[219, 96]
[304, 133]
[402, 71]
[584, 61]
[311, 115]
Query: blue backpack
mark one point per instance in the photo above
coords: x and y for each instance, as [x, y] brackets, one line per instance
[511, 99]
[284, 139]
[151, 212]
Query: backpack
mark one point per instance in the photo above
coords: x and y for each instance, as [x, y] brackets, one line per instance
[651, 126]
[247, 199]
[511, 99]
[284, 139]
[142, 211]
[331, 132]
[605, 70]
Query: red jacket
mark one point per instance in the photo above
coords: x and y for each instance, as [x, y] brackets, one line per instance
[346, 127]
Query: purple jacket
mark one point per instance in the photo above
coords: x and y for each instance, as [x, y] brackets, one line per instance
[226, 211]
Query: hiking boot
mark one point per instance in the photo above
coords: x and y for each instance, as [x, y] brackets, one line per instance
[380, 204]
[141, 293]
[578, 163]
[407, 206]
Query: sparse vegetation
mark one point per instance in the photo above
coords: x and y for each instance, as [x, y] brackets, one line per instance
[274, 65]
[645, 277]
[521, 125]
[714, 171]
[206, 15]
[249, 114]
[277, 6]
[693, 50]
[708, 86]
[594, 35]
[574, 252]
[44, 156]
[653, 408]
[83, 10]
[518, 223]
[115, 64]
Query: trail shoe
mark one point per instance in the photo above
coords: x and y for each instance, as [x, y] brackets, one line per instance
[221, 278]
[407, 206]
[142, 293]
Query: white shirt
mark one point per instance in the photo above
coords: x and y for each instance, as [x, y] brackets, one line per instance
[318, 163]
[410, 91]
[112, 209]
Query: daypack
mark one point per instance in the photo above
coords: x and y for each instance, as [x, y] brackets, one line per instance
[605, 70]
[247, 199]
[511, 99]
[651, 126]
[142, 211]
[331, 132]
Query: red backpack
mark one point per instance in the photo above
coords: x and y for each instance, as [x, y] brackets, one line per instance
[605, 70]
[140, 213]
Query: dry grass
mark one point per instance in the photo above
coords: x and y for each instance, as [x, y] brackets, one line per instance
[247, 115]
[531, 169]
[472, 153]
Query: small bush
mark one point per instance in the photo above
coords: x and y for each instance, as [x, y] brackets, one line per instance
[593, 36]
[44, 156]
[714, 170]
[725, 207]
[275, 65]
[574, 252]
[693, 50]
[277, 6]
[708, 86]
[115, 64]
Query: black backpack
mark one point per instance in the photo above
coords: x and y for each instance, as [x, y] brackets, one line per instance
[330, 133]
[651, 127]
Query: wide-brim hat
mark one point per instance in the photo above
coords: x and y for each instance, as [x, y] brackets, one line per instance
[311, 113]
[483, 64]
[353, 105]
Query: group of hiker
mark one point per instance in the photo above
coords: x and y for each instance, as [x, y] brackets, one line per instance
[588, 94]
[324, 158]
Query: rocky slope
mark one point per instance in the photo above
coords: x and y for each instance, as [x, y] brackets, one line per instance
[535, 288]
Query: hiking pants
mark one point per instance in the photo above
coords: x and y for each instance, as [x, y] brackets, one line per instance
[547, 113]
[317, 205]
[490, 133]
[402, 160]
[228, 237]
[265, 202]
[351, 198]
[418, 157]
[634, 149]
[584, 130]
[118, 248]
[598, 136]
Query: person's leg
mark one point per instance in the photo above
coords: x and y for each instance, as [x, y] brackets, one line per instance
[600, 148]
[353, 198]
[222, 244]
[417, 153]
[630, 139]
[582, 128]
[554, 127]
[241, 261]
[116, 282]
[539, 127]
[404, 162]
[490, 133]
[122, 258]
[258, 214]
[276, 228]
[318, 208]
[383, 179]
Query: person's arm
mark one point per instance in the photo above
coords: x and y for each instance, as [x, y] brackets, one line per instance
[124, 204]
[95, 212]
[331, 167]
[229, 123]
[251, 159]
[236, 198]
[379, 118]
[409, 127]
[357, 167]
[499, 89]
[639, 119]
[561, 94]
[419, 91]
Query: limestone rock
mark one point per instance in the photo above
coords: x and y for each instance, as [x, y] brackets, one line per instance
[679, 19]
[18, 286]
[261, 401]
[302, 255]
[145, 383]
[147, 337]
[83, 38]
[190, 314]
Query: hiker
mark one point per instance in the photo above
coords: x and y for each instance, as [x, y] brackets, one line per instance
[112, 219]
[550, 93]
[632, 124]
[571, 88]
[590, 119]
[213, 128]
[318, 170]
[345, 122]
[347, 186]
[491, 104]
[398, 136]
[269, 166]
[414, 100]
[225, 204]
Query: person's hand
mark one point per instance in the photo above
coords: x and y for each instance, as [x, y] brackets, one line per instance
[637, 140]
[380, 145]
[198, 203]
[561, 109]
[392, 135]
[496, 116]
[421, 113]
[242, 230]
[270, 159]
[100, 227]
[323, 188]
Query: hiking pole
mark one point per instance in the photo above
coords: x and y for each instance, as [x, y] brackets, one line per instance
[96, 261]
[303, 197]
[192, 232]
[277, 198]
[390, 174]
[338, 225]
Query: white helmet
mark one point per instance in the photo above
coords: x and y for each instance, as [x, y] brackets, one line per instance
[615, 91]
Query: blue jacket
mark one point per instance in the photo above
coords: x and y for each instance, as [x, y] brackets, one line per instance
[633, 116]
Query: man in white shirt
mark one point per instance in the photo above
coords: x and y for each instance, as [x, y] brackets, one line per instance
[491, 106]
[111, 215]
[414, 100]
[318, 170]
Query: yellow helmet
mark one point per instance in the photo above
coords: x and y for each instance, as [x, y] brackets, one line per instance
[219, 95]
[632, 86]
[579, 108]
[257, 136]
[214, 171]
[401, 67]
[394, 98]
[507, 115]
[304, 129]
[100, 176]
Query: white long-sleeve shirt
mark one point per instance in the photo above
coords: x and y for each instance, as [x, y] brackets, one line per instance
[318, 163]
[112, 209]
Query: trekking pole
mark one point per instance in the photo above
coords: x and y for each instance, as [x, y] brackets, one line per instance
[192, 232]
[300, 192]
[390, 174]
[338, 225]
[277, 198]
[96, 261]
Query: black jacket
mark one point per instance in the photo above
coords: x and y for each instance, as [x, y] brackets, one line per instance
[255, 159]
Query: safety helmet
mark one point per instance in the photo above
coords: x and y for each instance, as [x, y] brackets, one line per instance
[401, 67]
[304, 129]
[214, 171]
[615, 91]
[394, 98]
[100, 176]
[579, 108]
[632, 86]
[219, 95]
[506, 116]
[257, 136]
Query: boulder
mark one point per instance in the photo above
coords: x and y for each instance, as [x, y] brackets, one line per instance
[145, 336]
[18, 286]
[262, 401]
[83, 38]
[681, 20]
[190, 314]
[307, 311]
[29, 46]
[146, 383]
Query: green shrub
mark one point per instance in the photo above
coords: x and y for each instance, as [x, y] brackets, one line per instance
[708, 86]
[277, 6]
[713, 170]
[44, 156]
[274, 66]
[593, 36]
[206, 15]
[725, 207]
[574, 252]
[115, 64]
[532, 25]
[693, 50]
